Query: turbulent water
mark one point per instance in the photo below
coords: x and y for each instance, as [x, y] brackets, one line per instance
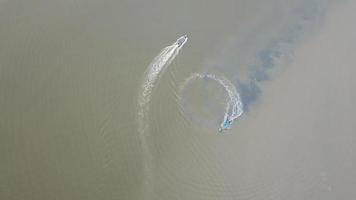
[151, 77]
[89, 112]
[234, 106]
[155, 69]
[211, 97]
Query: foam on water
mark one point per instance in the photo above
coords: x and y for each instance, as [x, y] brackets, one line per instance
[151, 77]
[233, 109]
[234, 106]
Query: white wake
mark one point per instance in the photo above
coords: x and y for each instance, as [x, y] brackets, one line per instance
[233, 110]
[151, 77]
[234, 106]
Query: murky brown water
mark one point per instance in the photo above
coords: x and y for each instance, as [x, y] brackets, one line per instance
[69, 78]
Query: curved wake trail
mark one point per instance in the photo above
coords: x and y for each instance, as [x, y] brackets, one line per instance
[151, 77]
[234, 106]
[157, 66]
[233, 110]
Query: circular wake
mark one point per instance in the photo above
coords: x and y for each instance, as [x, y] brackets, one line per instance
[233, 107]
